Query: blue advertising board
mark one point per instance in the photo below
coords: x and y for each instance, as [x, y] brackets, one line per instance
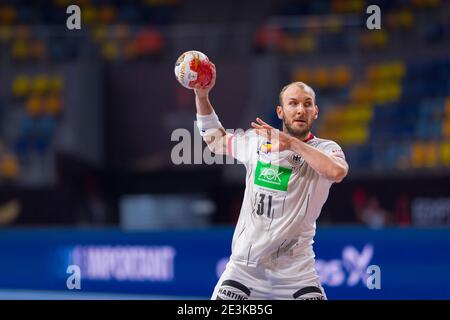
[353, 263]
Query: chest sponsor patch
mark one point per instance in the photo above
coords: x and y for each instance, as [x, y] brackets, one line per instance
[271, 176]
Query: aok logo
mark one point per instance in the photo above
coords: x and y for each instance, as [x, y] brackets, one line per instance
[272, 177]
[270, 174]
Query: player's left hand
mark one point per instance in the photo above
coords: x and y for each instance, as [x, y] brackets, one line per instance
[279, 141]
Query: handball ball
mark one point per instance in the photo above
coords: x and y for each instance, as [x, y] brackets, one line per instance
[192, 68]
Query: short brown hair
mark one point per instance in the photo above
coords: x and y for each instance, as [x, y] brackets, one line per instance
[302, 85]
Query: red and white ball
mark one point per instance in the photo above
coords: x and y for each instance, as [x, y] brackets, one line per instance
[192, 68]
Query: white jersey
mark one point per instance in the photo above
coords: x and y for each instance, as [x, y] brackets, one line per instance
[283, 198]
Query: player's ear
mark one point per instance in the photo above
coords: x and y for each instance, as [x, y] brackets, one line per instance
[279, 112]
[316, 112]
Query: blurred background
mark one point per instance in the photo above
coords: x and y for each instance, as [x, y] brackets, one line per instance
[86, 123]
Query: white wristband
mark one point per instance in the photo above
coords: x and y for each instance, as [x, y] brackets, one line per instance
[208, 122]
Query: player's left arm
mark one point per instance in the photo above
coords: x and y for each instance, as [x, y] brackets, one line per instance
[332, 167]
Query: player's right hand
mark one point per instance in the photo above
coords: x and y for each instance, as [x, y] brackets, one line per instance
[202, 92]
[279, 141]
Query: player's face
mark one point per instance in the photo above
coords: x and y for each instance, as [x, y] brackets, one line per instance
[298, 111]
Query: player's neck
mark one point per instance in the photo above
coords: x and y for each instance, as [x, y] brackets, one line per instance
[304, 137]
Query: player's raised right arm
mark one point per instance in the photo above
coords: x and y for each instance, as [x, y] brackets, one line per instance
[208, 123]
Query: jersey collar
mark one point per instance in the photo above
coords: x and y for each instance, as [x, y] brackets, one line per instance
[310, 137]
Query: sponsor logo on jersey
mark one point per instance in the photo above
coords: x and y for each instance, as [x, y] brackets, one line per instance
[271, 176]
[224, 294]
[233, 290]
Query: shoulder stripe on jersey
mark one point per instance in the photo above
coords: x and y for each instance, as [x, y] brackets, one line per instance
[338, 156]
